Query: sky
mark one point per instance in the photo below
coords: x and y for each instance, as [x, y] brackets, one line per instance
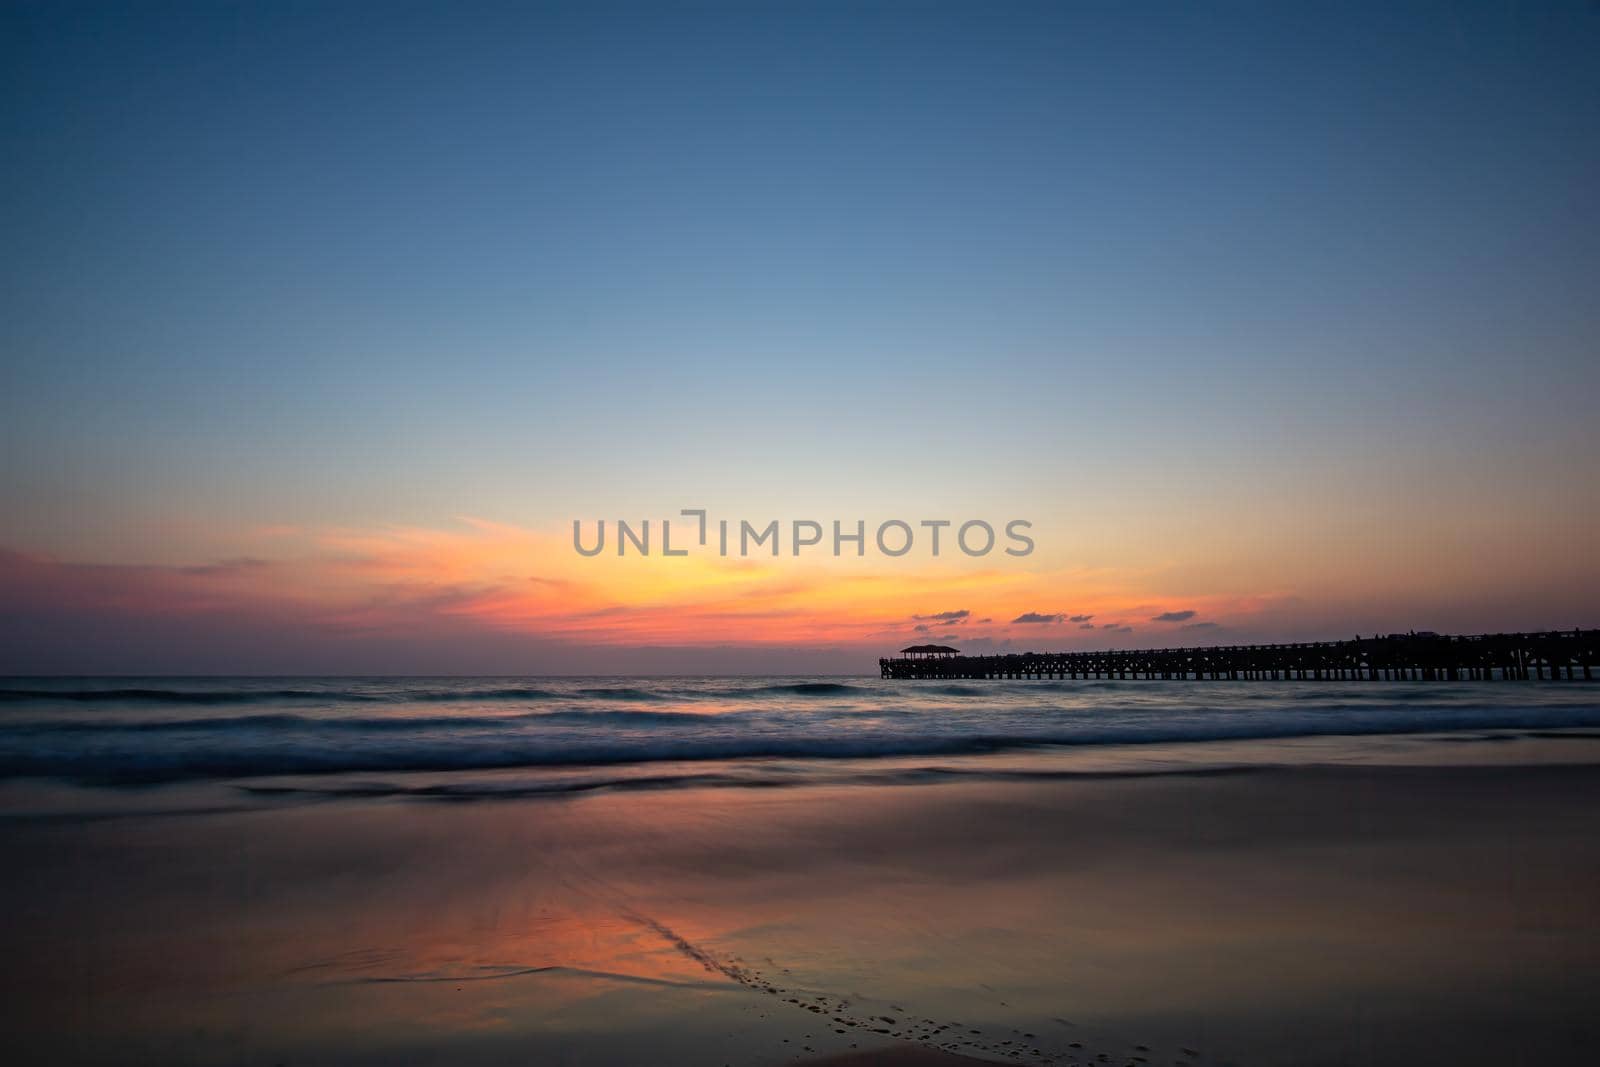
[320, 324]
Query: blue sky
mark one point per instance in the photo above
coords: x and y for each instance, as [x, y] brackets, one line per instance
[364, 264]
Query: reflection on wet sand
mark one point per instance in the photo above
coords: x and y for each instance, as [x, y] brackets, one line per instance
[1381, 914]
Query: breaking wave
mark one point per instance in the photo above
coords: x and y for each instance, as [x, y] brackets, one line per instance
[150, 731]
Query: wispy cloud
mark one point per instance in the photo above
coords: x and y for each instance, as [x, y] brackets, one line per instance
[954, 618]
[1174, 616]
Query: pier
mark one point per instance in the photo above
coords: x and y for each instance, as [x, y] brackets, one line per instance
[1557, 655]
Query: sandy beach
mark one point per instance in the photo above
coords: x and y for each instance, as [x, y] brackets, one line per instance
[1374, 911]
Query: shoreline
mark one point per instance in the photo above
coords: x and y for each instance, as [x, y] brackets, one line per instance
[1281, 914]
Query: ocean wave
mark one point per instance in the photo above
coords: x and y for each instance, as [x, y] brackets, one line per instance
[629, 717]
[171, 696]
[753, 691]
[139, 730]
[268, 696]
[813, 689]
[469, 695]
[622, 693]
[354, 724]
[122, 758]
[558, 787]
[398, 694]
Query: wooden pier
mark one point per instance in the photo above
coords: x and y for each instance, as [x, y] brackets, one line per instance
[1556, 655]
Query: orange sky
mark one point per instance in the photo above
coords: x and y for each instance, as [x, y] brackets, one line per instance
[542, 607]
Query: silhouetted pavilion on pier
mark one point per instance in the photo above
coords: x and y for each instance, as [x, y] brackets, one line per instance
[920, 652]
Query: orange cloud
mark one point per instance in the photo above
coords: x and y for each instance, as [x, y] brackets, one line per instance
[489, 597]
[512, 579]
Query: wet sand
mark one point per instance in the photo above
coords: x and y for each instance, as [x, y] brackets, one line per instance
[1261, 914]
[896, 1056]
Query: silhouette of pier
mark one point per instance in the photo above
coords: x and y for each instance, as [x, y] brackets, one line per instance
[1555, 655]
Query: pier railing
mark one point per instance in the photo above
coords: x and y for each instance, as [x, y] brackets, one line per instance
[1554, 654]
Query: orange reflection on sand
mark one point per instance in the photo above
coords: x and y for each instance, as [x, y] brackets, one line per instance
[1101, 910]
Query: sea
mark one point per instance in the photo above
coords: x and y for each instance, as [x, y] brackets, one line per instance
[472, 737]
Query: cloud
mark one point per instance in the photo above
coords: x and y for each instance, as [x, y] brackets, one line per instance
[985, 620]
[946, 616]
[244, 565]
[920, 628]
[1174, 616]
[1111, 625]
[1080, 618]
[1203, 626]
[1034, 616]
[1119, 629]
[1086, 626]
